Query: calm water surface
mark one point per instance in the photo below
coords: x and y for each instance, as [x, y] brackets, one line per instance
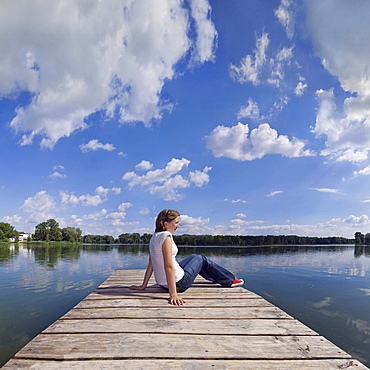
[327, 288]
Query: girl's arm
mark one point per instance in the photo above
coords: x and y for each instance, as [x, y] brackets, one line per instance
[170, 272]
[147, 276]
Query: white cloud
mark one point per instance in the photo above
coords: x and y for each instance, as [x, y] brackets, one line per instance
[206, 41]
[117, 222]
[340, 32]
[273, 193]
[233, 142]
[279, 105]
[237, 223]
[357, 220]
[364, 171]
[200, 178]
[124, 206]
[76, 220]
[236, 201]
[144, 211]
[95, 216]
[250, 66]
[261, 68]
[194, 225]
[238, 226]
[58, 167]
[160, 175]
[300, 88]
[326, 190]
[117, 217]
[260, 227]
[12, 219]
[88, 199]
[283, 58]
[346, 140]
[250, 111]
[166, 182]
[241, 215]
[57, 174]
[104, 191]
[168, 190]
[285, 15]
[94, 144]
[144, 166]
[41, 206]
[114, 215]
[78, 58]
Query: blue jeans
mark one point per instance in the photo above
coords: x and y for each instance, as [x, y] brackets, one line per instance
[198, 264]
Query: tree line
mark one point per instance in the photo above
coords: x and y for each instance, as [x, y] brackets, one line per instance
[50, 231]
[250, 240]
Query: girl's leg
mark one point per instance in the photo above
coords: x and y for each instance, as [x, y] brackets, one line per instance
[191, 266]
[215, 272]
[199, 264]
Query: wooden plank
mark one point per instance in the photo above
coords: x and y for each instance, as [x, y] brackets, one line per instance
[185, 326]
[144, 345]
[163, 302]
[212, 288]
[182, 312]
[121, 293]
[154, 364]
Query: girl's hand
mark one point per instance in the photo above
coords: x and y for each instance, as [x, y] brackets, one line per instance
[176, 300]
[137, 287]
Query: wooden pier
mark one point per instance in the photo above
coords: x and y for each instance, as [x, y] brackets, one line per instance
[218, 328]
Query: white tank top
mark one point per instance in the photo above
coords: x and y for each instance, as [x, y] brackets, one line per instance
[156, 255]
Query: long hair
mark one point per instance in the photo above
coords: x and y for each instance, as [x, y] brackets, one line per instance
[167, 215]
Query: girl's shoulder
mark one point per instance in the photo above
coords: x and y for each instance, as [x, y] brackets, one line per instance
[162, 235]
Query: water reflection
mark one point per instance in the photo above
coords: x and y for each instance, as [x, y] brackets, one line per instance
[7, 252]
[49, 254]
[326, 287]
[362, 250]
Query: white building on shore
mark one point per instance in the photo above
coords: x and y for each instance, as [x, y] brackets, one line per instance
[21, 237]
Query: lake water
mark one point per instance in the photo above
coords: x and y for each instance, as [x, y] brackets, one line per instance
[325, 287]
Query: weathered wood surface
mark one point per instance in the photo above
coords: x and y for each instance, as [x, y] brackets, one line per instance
[218, 328]
[177, 364]
[185, 326]
[184, 346]
[183, 312]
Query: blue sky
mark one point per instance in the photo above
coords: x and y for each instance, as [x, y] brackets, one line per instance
[248, 117]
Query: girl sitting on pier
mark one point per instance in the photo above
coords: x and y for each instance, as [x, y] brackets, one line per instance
[178, 277]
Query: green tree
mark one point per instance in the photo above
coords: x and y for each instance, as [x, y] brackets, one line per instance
[89, 239]
[71, 234]
[48, 231]
[7, 231]
[359, 238]
[124, 238]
